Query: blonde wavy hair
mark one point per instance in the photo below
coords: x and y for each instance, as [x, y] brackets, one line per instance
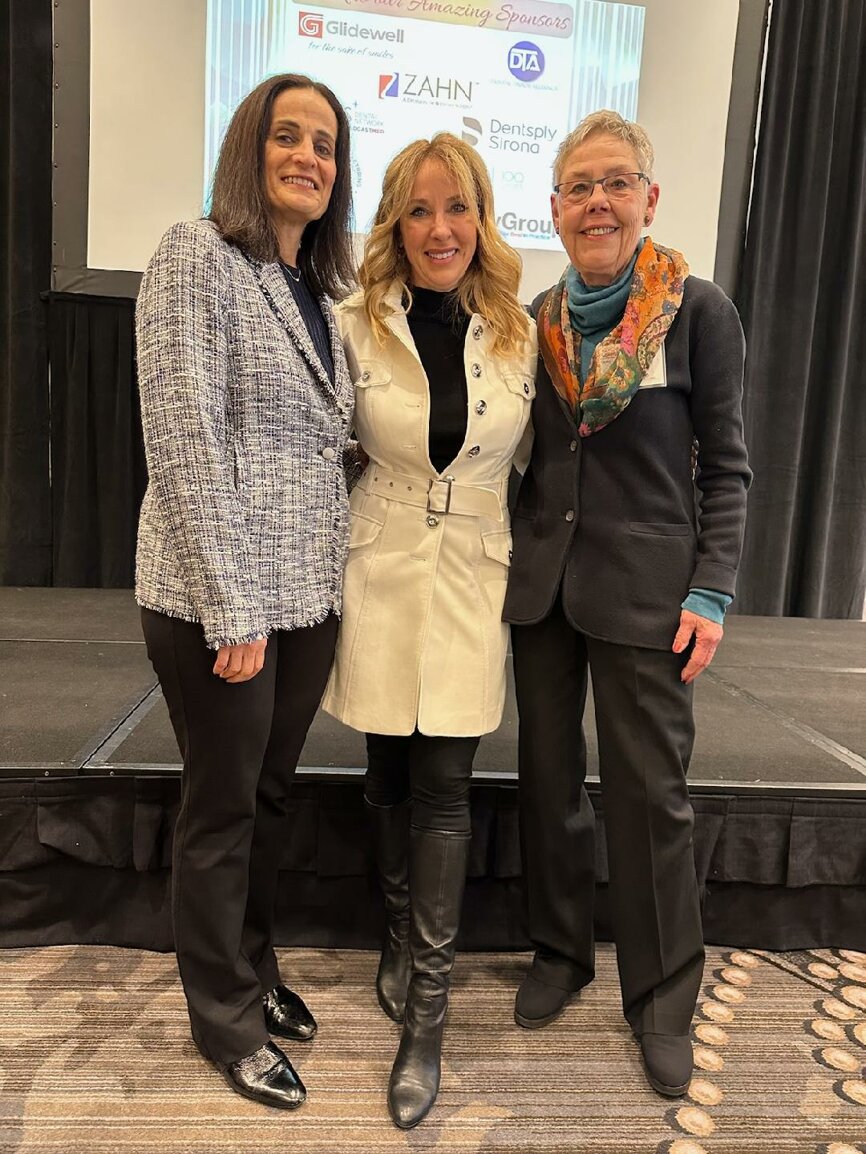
[489, 286]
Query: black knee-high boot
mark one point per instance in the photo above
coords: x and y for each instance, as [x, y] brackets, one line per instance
[437, 875]
[390, 825]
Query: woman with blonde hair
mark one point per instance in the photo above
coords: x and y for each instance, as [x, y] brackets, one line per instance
[443, 357]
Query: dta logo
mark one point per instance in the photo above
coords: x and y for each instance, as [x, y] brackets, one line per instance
[526, 61]
[311, 24]
[389, 84]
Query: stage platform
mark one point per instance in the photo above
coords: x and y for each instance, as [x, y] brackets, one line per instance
[778, 774]
[782, 707]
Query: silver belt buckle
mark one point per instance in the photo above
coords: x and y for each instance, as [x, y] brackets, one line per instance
[440, 481]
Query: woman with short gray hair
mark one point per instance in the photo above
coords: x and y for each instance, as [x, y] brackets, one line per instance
[618, 570]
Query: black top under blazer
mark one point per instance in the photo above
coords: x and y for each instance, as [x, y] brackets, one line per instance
[615, 519]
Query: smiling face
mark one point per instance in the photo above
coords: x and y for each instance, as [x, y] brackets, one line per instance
[438, 230]
[299, 161]
[601, 234]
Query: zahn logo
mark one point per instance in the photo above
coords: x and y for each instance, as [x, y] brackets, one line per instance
[389, 84]
[525, 61]
[311, 24]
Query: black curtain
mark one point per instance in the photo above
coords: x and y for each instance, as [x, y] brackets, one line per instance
[802, 298]
[25, 272]
[97, 454]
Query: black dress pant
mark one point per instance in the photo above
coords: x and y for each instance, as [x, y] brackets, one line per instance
[434, 771]
[240, 745]
[645, 736]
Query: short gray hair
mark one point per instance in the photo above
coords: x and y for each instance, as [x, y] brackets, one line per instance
[606, 122]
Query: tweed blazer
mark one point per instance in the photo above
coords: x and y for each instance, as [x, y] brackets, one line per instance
[244, 525]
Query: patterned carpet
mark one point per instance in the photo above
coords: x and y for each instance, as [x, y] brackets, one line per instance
[95, 1058]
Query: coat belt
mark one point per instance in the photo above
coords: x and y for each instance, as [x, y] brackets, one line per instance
[435, 494]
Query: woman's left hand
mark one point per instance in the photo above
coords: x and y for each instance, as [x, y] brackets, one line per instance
[707, 635]
[237, 663]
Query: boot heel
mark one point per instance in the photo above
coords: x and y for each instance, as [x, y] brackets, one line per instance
[395, 966]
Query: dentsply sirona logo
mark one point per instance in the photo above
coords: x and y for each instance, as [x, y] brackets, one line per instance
[311, 24]
[389, 84]
[472, 130]
[525, 61]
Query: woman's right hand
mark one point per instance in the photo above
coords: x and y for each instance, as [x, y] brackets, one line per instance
[236, 663]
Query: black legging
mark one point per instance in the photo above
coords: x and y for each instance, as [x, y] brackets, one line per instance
[434, 771]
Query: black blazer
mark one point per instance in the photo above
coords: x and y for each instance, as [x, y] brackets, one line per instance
[615, 519]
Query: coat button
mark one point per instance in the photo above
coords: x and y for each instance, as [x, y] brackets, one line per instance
[474, 451]
[526, 387]
[328, 453]
[476, 370]
[432, 520]
[573, 447]
[477, 332]
[481, 408]
[365, 376]
[569, 516]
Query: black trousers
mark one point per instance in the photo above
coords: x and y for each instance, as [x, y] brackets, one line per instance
[645, 736]
[434, 771]
[240, 745]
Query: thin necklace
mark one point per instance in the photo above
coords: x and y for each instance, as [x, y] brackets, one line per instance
[295, 275]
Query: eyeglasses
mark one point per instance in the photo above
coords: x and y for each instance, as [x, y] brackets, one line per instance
[616, 187]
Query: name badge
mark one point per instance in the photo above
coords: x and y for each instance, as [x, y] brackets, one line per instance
[657, 374]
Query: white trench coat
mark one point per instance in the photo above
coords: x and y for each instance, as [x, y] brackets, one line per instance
[422, 642]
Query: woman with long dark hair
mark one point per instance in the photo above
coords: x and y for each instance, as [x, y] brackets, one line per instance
[246, 406]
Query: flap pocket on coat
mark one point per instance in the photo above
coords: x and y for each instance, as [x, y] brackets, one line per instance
[497, 545]
[371, 374]
[363, 530]
[660, 529]
[521, 383]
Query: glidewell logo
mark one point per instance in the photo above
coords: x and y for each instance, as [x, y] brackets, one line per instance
[389, 84]
[311, 24]
[525, 61]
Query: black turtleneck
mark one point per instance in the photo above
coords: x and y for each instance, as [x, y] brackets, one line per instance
[438, 328]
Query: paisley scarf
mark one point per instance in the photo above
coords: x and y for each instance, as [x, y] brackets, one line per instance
[621, 360]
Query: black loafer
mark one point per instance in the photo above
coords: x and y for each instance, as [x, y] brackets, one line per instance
[286, 1016]
[537, 1003]
[668, 1062]
[266, 1076]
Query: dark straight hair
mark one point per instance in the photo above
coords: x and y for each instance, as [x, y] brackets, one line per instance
[239, 207]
